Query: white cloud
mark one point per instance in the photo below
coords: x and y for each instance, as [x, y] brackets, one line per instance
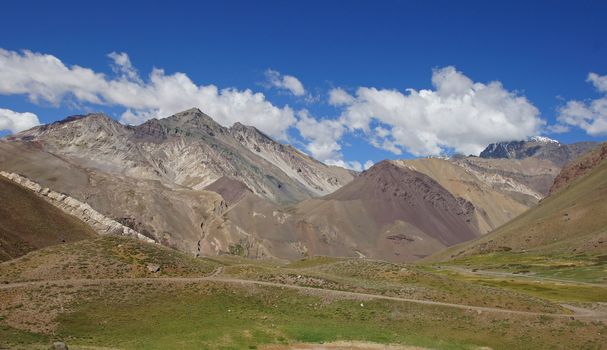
[44, 77]
[123, 66]
[286, 82]
[557, 128]
[599, 82]
[15, 121]
[322, 136]
[590, 116]
[339, 97]
[352, 165]
[459, 114]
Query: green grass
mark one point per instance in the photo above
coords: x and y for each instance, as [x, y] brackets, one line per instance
[312, 262]
[575, 268]
[214, 315]
[546, 290]
[12, 337]
[225, 317]
[383, 278]
[560, 279]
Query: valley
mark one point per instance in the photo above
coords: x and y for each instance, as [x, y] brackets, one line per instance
[303, 175]
[458, 253]
[238, 303]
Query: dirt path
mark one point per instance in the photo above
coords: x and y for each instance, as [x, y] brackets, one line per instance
[519, 276]
[341, 345]
[578, 313]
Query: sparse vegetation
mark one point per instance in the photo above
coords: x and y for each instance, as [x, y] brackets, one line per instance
[138, 314]
[103, 257]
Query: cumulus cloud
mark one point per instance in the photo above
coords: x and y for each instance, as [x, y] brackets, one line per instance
[122, 65]
[339, 97]
[322, 136]
[590, 116]
[599, 82]
[15, 121]
[323, 141]
[285, 82]
[352, 165]
[459, 115]
[45, 78]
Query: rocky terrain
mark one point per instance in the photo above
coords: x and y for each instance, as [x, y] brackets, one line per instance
[189, 183]
[151, 178]
[189, 149]
[570, 221]
[538, 147]
[388, 212]
[496, 196]
[579, 168]
[99, 222]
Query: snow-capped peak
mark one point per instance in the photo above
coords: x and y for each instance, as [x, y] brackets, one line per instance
[543, 139]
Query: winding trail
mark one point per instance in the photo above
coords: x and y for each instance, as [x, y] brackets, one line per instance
[578, 313]
[531, 277]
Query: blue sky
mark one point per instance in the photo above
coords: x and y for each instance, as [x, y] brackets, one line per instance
[541, 51]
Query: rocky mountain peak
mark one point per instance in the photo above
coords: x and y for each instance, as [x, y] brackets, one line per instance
[85, 117]
[543, 139]
[75, 126]
[192, 122]
[193, 117]
[393, 193]
[247, 134]
[538, 147]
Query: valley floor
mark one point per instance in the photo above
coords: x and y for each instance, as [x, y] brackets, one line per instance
[110, 300]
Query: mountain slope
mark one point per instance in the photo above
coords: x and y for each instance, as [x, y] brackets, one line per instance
[28, 223]
[493, 207]
[540, 148]
[152, 177]
[187, 149]
[171, 214]
[320, 179]
[202, 188]
[389, 193]
[571, 221]
[579, 168]
[387, 212]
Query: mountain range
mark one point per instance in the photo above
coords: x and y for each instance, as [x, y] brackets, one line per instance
[189, 183]
[569, 222]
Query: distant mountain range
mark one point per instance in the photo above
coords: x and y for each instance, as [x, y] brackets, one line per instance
[538, 147]
[189, 183]
[569, 222]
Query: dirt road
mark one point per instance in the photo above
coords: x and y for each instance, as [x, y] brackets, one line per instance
[578, 313]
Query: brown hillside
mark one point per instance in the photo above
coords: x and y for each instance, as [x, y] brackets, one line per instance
[579, 168]
[229, 189]
[28, 223]
[390, 193]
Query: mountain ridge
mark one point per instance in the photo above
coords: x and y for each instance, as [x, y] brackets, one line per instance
[206, 189]
[146, 148]
[538, 147]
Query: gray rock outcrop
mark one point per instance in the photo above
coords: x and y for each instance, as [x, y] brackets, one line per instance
[99, 222]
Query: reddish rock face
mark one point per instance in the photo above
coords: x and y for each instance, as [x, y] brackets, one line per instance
[579, 168]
